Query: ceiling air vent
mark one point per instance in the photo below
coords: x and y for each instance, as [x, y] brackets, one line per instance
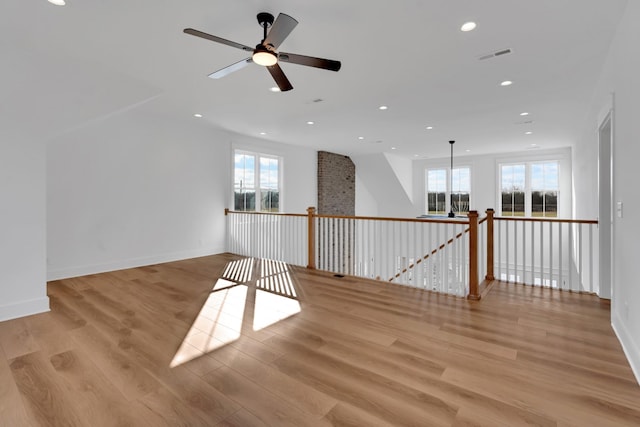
[495, 54]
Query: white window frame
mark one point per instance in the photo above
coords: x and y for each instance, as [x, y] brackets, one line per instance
[448, 186]
[257, 184]
[528, 191]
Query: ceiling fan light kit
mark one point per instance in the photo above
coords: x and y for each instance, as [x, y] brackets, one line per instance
[264, 57]
[265, 52]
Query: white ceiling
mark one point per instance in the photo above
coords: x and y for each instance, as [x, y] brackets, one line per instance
[65, 66]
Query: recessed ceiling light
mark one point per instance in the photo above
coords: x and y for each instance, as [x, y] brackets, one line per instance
[468, 151]
[263, 133]
[416, 155]
[310, 122]
[524, 114]
[198, 115]
[382, 107]
[506, 83]
[361, 138]
[57, 2]
[275, 89]
[534, 145]
[468, 26]
[429, 127]
[528, 133]
[393, 148]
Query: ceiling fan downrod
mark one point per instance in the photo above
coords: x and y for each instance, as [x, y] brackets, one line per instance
[265, 20]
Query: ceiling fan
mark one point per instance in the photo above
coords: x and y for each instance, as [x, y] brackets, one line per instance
[265, 53]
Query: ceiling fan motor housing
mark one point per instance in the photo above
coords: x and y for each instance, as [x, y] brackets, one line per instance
[265, 19]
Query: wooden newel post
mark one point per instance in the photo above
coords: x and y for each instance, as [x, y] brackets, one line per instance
[311, 238]
[490, 276]
[473, 256]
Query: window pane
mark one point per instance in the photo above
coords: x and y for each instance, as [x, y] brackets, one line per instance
[244, 200]
[437, 180]
[461, 180]
[544, 189]
[244, 171]
[461, 187]
[512, 184]
[270, 201]
[268, 173]
[460, 202]
[436, 191]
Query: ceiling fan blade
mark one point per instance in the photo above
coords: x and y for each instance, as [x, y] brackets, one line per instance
[217, 39]
[280, 29]
[310, 61]
[280, 78]
[231, 68]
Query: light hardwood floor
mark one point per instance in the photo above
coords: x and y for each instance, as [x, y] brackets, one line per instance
[158, 346]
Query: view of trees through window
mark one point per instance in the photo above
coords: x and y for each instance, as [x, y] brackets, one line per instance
[438, 191]
[529, 189]
[248, 166]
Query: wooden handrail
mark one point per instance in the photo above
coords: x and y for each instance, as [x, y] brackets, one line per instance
[433, 252]
[227, 212]
[366, 218]
[378, 218]
[529, 219]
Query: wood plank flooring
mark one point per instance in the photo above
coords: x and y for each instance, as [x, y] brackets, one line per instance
[172, 345]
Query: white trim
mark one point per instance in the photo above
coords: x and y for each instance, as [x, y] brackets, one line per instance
[130, 263]
[257, 188]
[607, 108]
[528, 184]
[24, 308]
[448, 189]
[630, 348]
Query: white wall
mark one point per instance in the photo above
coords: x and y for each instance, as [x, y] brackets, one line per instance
[139, 188]
[365, 202]
[620, 77]
[382, 191]
[22, 228]
[402, 168]
[299, 171]
[135, 189]
[484, 177]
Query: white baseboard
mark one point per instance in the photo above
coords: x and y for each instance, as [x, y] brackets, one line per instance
[65, 273]
[24, 308]
[629, 346]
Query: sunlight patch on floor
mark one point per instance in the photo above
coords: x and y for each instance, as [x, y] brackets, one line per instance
[220, 320]
[271, 308]
[214, 327]
[275, 295]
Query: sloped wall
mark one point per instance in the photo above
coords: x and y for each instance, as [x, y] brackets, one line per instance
[386, 194]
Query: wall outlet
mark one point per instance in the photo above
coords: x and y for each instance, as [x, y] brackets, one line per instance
[619, 209]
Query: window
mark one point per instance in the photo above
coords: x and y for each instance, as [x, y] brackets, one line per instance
[529, 189]
[438, 191]
[461, 187]
[256, 180]
[544, 189]
[513, 189]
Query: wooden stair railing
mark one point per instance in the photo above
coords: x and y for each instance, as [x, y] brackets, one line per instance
[473, 222]
[433, 252]
[474, 284]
